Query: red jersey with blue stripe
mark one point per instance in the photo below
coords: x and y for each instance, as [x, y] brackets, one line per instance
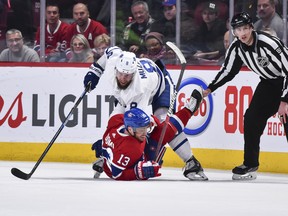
[121, 151]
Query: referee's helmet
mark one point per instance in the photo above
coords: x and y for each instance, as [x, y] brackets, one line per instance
[241, 19]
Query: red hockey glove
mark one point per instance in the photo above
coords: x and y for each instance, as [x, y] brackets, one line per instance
[147, 169]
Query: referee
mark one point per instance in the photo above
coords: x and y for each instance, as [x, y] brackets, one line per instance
[268, 57]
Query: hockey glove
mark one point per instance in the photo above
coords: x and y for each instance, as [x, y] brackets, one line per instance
[91, 77]
[147, 169]
[97, 146]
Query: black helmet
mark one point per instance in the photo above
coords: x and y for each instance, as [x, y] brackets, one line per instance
[241, 19]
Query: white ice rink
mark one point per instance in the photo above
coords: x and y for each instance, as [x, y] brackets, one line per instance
[59, 189]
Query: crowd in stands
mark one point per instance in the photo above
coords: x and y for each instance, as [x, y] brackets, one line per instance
[79, 31]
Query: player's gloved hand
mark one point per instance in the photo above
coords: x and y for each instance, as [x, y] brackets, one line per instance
[92, 78]
[147, 169]
[97, 146]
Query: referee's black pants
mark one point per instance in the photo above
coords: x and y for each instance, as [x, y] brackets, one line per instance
[264, 104]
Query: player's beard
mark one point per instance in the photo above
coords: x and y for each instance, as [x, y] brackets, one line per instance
[121, 86]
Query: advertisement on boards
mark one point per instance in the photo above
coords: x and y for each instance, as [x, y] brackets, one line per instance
[34, 101]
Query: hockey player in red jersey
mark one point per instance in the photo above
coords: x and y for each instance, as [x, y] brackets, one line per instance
[125, 149]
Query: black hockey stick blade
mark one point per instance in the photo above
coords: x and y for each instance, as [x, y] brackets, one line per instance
[19, 174]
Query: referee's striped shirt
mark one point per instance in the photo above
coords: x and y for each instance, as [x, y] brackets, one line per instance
[267, 57]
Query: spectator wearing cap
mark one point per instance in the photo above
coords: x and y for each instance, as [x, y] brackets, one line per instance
[167, 26]
[156, 49]
[135, 32]
[209, 40]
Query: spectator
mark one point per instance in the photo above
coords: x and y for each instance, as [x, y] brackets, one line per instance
[99, 9]
[220, 60]
[135, 32]
[268, 18]
[55, 35]
[81, 51]
[156, 49]
[84, 25]
[101, 42]
[17, 51]
[167, 26]
[270, 31]
[222, 9]
[4, 9]
[226, 39]
[209, 41]
[226, 42]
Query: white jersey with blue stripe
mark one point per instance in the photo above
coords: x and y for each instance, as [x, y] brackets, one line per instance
[148, 82]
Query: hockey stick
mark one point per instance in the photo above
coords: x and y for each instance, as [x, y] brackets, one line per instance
[183, 62]
[18, 173]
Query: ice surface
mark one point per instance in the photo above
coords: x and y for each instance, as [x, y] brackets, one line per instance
[68, 189]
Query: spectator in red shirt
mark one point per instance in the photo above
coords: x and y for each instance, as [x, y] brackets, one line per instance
[84, 25]
[55, 35]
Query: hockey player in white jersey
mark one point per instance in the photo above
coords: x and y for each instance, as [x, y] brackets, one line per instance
[139, 82]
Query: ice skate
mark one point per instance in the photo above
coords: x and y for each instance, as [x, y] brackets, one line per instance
[194, 101]
[194, 171]
[243, 172]
[98, 167]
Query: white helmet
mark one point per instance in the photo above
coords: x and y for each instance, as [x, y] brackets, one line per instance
[127, 63]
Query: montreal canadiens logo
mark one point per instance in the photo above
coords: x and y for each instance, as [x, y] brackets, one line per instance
[201, 118]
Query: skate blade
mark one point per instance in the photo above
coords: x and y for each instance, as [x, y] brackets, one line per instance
[200, 176]
[96, 175]
[247, 176]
